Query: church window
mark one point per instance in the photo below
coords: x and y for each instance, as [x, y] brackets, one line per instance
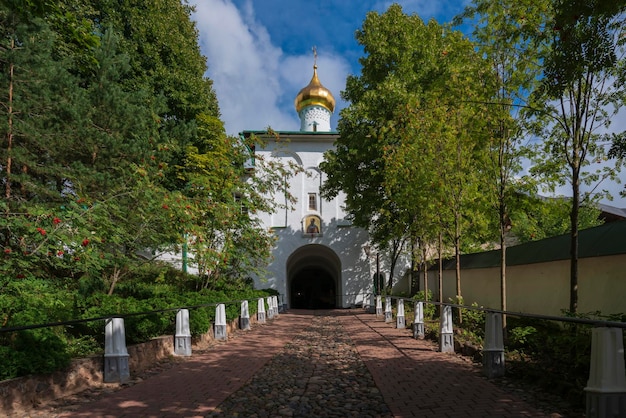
[242, 206]
[312, 201]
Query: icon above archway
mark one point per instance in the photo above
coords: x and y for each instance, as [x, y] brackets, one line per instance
[312, 226]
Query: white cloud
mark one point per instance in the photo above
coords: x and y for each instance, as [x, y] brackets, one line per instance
[254, 80]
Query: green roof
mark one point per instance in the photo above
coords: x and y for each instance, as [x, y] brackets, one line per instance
[603, 240]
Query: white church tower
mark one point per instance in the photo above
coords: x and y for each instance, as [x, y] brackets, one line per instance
[319, 259]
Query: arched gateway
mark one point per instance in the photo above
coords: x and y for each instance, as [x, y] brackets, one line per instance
[314, 278]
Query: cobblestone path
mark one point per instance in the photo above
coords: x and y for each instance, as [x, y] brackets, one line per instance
[319, 374]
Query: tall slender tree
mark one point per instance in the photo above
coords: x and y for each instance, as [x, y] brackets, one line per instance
[499, 33]
[410, 66]
[580, 95]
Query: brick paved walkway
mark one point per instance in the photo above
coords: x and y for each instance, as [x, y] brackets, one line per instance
[415, 380]
[197, 385]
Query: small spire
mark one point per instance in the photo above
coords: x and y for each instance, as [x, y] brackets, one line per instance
[314, 57]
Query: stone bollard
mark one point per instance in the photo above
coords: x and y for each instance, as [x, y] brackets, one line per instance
[379, 306]
[221, 334]
[371, 304]
[275, 302]
[400, 322]
[182, 339]
[244, 317]
[446, 330]
[418, 323]
[493, 349]
[115, 354]
[270, 307]
[388, 313]
[260, 311]
[606, 387]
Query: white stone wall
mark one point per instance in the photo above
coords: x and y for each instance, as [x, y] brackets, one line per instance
[337, 234]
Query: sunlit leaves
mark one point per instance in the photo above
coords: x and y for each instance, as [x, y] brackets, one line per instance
[411, 141]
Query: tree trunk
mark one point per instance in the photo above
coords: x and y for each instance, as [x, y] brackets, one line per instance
[8, 164]
[457, 255]
[440, 272]
[425, 272]
[573, 297]
[503, 228]
[115, 278]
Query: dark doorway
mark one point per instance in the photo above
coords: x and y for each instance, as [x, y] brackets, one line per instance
[313, 288]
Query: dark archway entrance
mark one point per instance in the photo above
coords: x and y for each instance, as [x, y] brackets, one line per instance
[314, 278]
[313, 288]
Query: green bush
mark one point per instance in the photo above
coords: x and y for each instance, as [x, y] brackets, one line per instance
[83, 346]
[35, 301]
[520, 337]
[552, 355]
[31, 302]
[474, 322]
[11, 359]
[33, 352]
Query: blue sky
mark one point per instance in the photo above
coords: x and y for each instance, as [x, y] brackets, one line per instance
[259, 54]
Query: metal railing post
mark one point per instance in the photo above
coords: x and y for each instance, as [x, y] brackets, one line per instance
[418, 323]
[606, 387]
[493, 349]
[221, 334]
[182, 339]
[446, 330]
[388, 313]
[270, 307]
[244, 317]
[115, 354]
[400, 322]
[260, 311]
[275, 301]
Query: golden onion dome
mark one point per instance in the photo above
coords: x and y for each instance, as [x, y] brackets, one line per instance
[315, 94]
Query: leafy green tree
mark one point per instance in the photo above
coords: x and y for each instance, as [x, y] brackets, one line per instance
[76, 151]
[113, 150]
[537, 218]
[580, 95]
[40, 98]
[392, 70]
[226, 238]
[499, 34]
[162, 43]
[409, 67]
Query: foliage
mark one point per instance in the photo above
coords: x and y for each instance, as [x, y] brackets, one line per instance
[475, 319]
[410, 136]
[44, 350]
[552, 356]
[33, 352]
[519, 337]
[498, 34]
[579, 97]
[113, 149]
[215, 210]
[559, 66]
[549, 218]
